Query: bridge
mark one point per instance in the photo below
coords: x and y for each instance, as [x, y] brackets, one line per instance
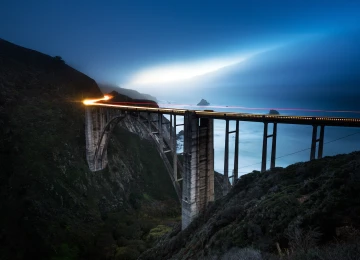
[193, 179]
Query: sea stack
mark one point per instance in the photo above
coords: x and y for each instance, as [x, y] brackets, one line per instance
[203, 102]
[273, 112]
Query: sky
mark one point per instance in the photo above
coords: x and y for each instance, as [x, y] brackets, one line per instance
[164, 47]
[278, 54]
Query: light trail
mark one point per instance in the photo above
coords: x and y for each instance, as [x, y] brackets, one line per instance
[93, 101]
[266, 108]
[89, 102]
[108, 97]
[330, 121]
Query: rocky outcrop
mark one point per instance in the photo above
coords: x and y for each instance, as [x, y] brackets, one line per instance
[180, 140]
[203, 102]
[273, 112]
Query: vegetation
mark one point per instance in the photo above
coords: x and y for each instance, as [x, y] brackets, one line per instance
[291, 212]
[52, 206]
[59, 59]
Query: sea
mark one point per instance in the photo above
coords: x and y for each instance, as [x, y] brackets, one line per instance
[293, 141]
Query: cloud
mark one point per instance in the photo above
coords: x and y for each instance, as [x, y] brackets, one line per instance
[182, 71]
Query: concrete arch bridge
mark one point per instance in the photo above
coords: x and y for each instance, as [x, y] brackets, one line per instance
[196, 172]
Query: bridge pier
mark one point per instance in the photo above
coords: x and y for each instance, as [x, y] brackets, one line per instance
[314, 140]
[235, 174]
[173, 143]
[273, 147]
[160, 132]
[198, 176]
[236, 156]
[321, 142]
[226, 160]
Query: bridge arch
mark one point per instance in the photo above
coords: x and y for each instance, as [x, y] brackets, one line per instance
[100, 123]
[101, 148]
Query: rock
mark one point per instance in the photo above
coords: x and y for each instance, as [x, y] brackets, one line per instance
[273, 112]
[180, 134]
[203, 102]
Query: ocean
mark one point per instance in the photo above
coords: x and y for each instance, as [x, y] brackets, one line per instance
[293, 141]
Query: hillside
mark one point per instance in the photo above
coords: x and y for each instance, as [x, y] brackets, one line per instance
[308, 210]
[107, 88]
[52, 206]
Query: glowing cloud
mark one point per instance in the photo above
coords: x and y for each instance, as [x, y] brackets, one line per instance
[185, 71]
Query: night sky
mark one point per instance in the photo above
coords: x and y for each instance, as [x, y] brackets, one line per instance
[158, 46]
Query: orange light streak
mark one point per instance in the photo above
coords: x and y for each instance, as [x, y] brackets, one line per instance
[267, 108]
[93, 101]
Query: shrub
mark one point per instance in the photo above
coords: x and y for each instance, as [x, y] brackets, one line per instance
[126, 253]
[59, 59]
[158, 232]
[300, 240]
[340, 251]
[65, 252]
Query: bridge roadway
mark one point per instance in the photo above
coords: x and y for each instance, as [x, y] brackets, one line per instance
[299, 120]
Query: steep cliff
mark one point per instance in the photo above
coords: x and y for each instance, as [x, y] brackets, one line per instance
[107, 88]
[51, 205]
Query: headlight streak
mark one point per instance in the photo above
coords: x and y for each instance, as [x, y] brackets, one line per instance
[267, 108]
[94, 102]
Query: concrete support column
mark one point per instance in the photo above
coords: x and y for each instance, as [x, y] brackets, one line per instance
[226, 160]
[198, 176]
[189, 208]
[264, 149]
[321, 142]
[160, 131]
[173, 134]
[236, 156]
[313, 143]
[205, 186]
[149, 121]
[273, 146]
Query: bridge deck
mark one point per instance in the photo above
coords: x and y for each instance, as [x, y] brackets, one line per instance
[298, 120]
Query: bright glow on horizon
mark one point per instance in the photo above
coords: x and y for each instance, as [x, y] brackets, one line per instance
[176, 72]
[180, 72]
